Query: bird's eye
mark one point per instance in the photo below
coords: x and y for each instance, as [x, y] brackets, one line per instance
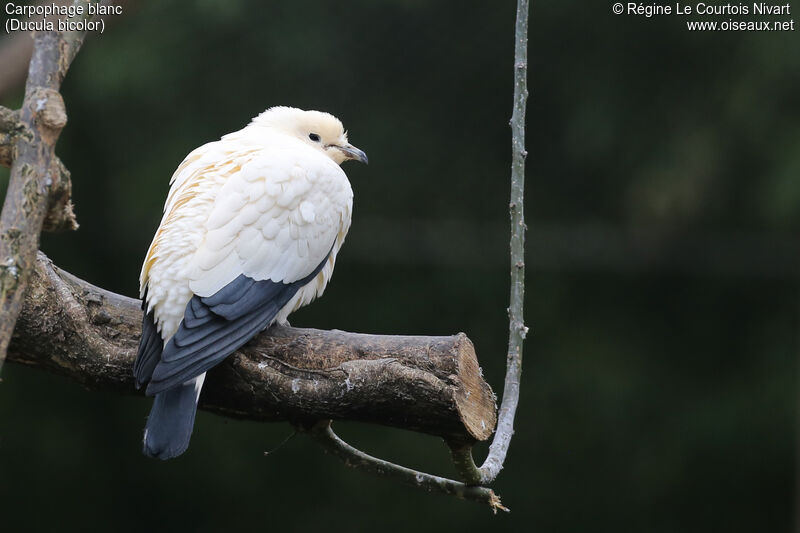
[314, 137]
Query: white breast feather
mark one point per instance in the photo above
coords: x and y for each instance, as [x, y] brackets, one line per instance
[238, 207]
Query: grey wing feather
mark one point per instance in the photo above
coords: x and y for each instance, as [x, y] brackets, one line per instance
[150, 347]
[215, 326]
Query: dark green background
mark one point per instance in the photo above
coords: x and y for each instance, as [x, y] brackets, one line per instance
[663, 187]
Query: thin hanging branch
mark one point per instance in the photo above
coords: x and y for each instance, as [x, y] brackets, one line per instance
[516, 325]
[473, 476]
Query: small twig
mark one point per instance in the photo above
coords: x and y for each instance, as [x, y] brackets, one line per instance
[324, 435]
[60, 211]
[281, 443]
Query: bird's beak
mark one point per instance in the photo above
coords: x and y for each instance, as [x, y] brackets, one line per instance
[351, 152]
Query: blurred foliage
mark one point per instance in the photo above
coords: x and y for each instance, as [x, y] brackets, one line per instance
[651, 401]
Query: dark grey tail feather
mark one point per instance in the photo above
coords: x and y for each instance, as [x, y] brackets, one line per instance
[169, 426]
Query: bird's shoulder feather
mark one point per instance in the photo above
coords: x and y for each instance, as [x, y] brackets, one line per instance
[237, 206]
[276, 218]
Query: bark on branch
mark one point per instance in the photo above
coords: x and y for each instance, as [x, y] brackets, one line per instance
[10, 128]
[39, 184]
[427, 384]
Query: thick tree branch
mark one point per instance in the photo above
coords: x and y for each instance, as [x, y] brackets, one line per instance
[427, 384]
[37, 185]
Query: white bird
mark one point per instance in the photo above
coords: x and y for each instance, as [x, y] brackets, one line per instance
[251, 228]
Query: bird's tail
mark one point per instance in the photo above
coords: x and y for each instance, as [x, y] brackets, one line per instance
[169, 426]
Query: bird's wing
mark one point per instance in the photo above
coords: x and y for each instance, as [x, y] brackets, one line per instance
[150, 347]
[275, 225]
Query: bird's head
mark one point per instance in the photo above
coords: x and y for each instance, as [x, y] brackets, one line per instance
[321, 131]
